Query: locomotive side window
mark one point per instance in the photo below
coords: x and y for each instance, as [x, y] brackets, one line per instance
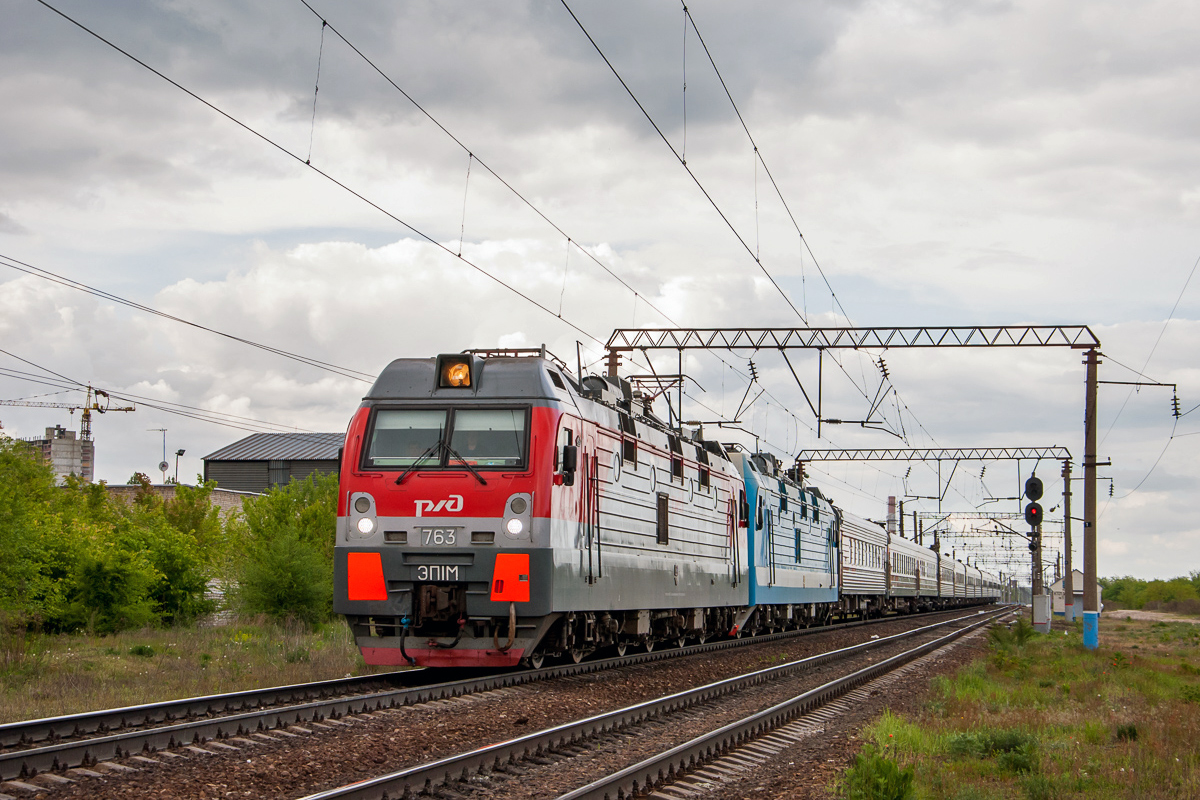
[662, 526]
[490, 437]
[401, 437]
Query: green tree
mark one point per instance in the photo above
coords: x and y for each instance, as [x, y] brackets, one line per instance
[286, 561]
[110, 591]
[181, 570]
[26, 489]
[192, 512]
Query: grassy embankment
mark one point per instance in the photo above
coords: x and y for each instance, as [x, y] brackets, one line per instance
[66, 673]
[1041, 717]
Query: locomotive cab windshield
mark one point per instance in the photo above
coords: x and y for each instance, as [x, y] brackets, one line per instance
[424, 438]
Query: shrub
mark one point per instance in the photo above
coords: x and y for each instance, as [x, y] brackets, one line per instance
[143, 650]
[177, 592]
[286, 578]
[1022, 631]
[286, 566]
[1127, 733]
[1000, 637]
[1039, 787]
[1014, 750]
[110, 592]
[873, 777]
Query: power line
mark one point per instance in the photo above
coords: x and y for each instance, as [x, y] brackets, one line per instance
[1151, 355]
[54, 277]
[766, 169]
[476, 159]
[345, 187]
[683, 163]
[216, 417]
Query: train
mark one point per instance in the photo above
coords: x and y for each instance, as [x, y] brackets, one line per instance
[495, 510]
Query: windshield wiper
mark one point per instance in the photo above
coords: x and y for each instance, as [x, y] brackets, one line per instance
[470, 468]
[437, 446]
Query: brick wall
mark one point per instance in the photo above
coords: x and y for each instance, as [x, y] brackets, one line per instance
[229, 501]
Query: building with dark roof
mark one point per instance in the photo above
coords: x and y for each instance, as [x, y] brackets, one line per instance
[263, 460]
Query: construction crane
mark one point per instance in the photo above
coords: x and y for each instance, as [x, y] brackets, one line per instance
[92, 403]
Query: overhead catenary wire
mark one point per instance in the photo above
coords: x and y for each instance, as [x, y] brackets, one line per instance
[473, 154]
[54, 277]
[1150, 355]
[758, 155]
[700, 185]
[323, 174]
[207, 415]
[712, 201]
[335, 181]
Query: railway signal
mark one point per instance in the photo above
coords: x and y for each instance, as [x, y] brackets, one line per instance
[1033, 514]
[1033, 488]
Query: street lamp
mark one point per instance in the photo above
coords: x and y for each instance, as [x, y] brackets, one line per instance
[178, 453]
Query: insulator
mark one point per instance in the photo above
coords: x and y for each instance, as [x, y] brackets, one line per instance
[1175, 406]
[753, 371]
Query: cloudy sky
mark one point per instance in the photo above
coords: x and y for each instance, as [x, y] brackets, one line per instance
[948, 164]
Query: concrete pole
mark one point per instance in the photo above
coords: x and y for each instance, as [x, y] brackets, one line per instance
[1068, 584]
[1036, 578]
[1091, 610]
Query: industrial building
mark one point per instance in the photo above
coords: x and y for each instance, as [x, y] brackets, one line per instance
[1059, 595]
[263, 460]
[66, 452]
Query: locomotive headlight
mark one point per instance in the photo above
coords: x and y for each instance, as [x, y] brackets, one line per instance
[362, 505]
[518, 505]
[366, 525]
[514, 526]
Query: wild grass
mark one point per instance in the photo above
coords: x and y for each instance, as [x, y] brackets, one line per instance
[43, 676]
[1040, 717]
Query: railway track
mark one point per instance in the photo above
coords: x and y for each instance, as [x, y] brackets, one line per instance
[481, 769]
[50, 746]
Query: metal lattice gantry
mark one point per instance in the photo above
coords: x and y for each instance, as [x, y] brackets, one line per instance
[1075, 336]
[1053, 453]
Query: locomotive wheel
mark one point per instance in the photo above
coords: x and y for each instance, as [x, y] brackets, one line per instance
[681, 642]
[537, 659]
[621, 647]
[649, 645]
[576, 656]
[702, 638]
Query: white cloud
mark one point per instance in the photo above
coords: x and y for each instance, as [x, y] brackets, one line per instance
[979, 163]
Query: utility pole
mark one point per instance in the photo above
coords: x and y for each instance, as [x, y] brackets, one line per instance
[1037, 561]
[163, 465]
[1068, 579]
[1091, 609]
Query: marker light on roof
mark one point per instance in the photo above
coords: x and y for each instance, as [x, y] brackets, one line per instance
[457, 375]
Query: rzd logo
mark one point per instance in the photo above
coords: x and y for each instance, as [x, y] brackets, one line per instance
[452, 504]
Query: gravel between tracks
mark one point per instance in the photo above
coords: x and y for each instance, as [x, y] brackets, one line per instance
[805, 771]
[367, 746]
